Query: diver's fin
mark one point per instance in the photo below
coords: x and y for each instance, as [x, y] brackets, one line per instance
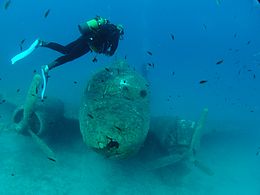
[27, 52]
[44, 77]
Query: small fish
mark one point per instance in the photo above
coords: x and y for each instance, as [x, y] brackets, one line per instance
[205, 26]
[89, 115]
[52, 159]
[149, 53]
[94, 60]
[0, 79]
[173, 73]
[151, 64]
[172, 36]
[169, 98]
[107, 69]
[12, 174]
[22, 41]
[235, 35]
[219, 62]
[34, 71]
[47, 13]
[118, 128]
[203, 81]
[248, 42]
[257, 153]
[75, 82]
[21, 44]
[218, 2]
[17, 90]
[7, 4]
[249, 70]
[3, 101]
[251, 110]
[254, 76]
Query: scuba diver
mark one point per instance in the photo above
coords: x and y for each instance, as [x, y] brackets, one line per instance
[97, 35]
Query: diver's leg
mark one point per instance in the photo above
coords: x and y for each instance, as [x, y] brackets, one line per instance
[77, 43]
[55, 46]
[76, 52]
[63, 49]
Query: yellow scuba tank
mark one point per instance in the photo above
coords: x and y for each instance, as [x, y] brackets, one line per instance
[92, 25]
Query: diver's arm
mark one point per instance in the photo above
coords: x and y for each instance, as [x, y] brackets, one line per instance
[110, 34]
[113, 46]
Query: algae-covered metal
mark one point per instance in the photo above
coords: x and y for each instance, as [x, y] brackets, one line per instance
[114, 113]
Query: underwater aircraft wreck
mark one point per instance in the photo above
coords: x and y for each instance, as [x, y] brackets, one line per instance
[172, 140]
[114, 120]
[114, 113]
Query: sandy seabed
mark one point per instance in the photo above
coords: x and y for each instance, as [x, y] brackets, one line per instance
[26, 170]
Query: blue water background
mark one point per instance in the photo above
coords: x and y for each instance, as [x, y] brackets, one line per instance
[204, 32]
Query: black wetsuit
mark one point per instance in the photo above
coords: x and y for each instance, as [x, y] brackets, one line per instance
[104, 40]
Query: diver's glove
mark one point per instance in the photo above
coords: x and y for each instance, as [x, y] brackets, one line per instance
[45, 71]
